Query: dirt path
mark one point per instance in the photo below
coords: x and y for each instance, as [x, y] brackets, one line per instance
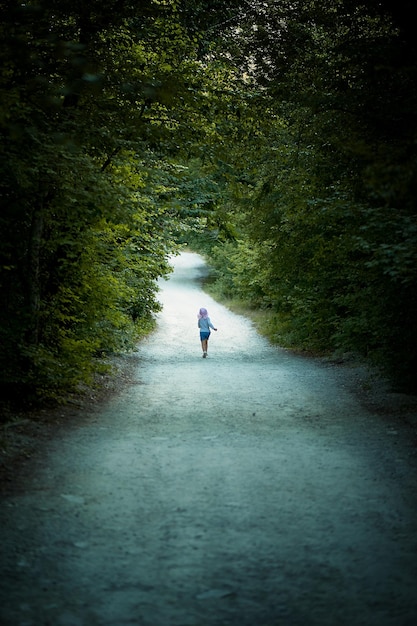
[248, 489]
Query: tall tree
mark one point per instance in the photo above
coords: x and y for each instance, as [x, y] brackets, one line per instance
[94, 96]
[328, 187]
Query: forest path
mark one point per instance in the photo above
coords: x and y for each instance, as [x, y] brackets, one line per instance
[250, 488]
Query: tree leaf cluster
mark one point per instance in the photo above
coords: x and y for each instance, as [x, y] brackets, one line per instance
[277, 136]
[321, 171]
[96, 101]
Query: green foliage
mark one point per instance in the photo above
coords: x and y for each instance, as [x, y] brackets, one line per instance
[95, 99]
[277, 138]
[321, 180]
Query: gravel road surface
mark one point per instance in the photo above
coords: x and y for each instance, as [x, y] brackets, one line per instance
[251, 488]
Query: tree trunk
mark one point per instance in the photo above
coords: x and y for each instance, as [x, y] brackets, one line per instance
[33, 275]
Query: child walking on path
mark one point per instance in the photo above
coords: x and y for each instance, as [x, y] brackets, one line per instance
[204, 325]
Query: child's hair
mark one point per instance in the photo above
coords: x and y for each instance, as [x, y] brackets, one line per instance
[202, 314]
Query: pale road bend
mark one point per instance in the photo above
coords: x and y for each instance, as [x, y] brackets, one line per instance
[250, 488]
